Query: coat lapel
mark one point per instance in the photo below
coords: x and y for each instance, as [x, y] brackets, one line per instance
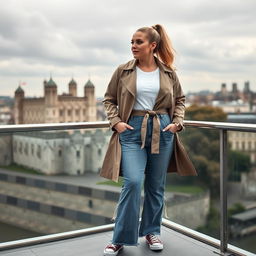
[164, 82]
[129, 81]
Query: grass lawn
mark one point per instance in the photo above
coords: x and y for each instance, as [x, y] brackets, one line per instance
[18, 168]
[185, 189]
[169, 188]
[111, 183]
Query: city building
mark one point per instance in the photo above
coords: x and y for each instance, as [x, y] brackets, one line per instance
[6, 110]
[243, 141]
[61, 152]
[54, 108]
[231, 101]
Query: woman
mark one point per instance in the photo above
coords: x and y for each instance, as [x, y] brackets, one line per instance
[145, 106]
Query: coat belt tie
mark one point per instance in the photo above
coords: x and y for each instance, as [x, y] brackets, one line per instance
[156, 127]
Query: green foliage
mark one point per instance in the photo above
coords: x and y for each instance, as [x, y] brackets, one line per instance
[112, 183]
[212, 223]
[238, 162]
[185, 189]
[19, 168]
[236, 208]
[203, 144]
[205, 113]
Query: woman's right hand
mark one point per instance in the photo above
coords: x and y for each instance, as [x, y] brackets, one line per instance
[122, 126]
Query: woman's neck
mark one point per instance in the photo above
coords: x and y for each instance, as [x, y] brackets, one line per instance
[147, 64]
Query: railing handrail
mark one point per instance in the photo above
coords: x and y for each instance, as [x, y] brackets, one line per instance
[105, 124]
[223, 127]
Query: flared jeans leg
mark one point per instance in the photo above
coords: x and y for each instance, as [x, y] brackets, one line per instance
[137, 163]
[154, 186]
[127, 220]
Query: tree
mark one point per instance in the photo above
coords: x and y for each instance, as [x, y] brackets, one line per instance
[203, 147]
[238, 162]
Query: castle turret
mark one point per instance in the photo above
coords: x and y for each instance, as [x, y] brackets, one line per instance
[51, 102]
[90, 100]
[246, 87]
[72, 87]
[234, 88]
[223, 89]
[18, 105]
[235, 92]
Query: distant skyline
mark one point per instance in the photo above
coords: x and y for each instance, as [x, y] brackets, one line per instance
[215, 41]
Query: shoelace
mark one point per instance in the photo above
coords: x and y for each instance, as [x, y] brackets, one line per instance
[154, 238]
[113, 246]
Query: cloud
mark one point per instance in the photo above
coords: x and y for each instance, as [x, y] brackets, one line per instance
[213, 38]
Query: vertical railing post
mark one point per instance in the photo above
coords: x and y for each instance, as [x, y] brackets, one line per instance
[223, 191]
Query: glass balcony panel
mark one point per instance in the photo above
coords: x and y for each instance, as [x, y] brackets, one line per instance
[242, 190]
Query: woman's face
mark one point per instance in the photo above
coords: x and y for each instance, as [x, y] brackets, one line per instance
[141, 47]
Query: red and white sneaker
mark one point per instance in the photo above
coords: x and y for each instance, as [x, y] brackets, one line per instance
[112, 249]
[154, 242]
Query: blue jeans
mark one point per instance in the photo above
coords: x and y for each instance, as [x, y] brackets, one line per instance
[137, 165]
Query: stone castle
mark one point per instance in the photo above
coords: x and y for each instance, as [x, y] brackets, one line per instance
[54, 108]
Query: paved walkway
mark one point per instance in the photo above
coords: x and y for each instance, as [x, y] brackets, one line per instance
[87, 180]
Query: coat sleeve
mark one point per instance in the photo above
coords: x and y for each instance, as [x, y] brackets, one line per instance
[110, 100]
[179, 106]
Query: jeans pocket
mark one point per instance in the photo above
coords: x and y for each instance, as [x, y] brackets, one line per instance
[124, 131]
[166, 120]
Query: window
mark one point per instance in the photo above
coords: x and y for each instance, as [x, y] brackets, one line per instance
[32, 149]
[77, 153]
[249, 145]
[99, 151]
[69, 112]
[77, 112]
[61, 112]
[90, 203]
[60, 152]
[38, 151]
[20, 147]
[15, 146]
[243, 145]
[26, 149]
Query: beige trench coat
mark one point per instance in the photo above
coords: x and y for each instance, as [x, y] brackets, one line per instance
[119, 100]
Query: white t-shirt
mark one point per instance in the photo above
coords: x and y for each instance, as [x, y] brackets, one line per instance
[147, 85]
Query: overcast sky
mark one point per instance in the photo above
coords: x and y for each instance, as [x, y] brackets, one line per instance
[215, 41]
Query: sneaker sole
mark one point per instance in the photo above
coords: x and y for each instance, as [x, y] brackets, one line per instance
[156, 247]
[112, 253]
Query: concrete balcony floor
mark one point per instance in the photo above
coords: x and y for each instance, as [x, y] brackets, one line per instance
[175, 244]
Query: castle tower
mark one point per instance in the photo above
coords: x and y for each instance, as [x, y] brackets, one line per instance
[72, 87]
[18, 105]
[234, 88]
[51, 102]
[90, 100]
[223, 89]
[247, 87]
[235, 92]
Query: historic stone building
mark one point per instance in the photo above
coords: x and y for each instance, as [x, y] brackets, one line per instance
[243, 141]
[61, 152]
[54, 108]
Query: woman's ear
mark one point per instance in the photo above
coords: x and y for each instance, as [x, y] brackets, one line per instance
[153, 46]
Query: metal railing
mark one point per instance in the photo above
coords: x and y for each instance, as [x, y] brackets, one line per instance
[223, 127]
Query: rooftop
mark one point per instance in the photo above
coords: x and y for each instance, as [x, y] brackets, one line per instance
[247, 215]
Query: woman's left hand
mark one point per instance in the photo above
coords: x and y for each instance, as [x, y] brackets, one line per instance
[171, 127]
